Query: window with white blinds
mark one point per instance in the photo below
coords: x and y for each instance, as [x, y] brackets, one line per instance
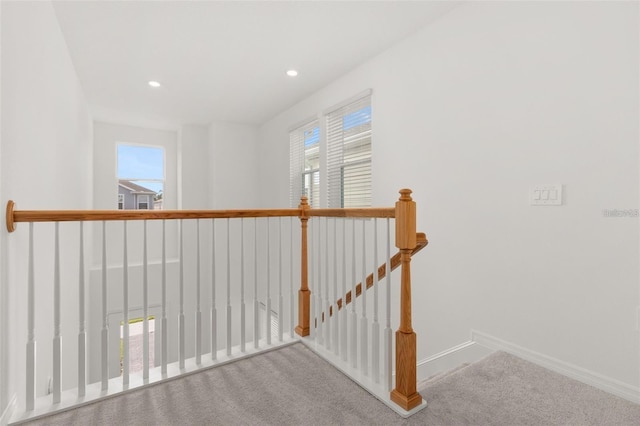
[304, 163]
[349, 155]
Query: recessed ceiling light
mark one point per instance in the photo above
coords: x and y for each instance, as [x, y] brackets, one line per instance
[154, 83]
[292, 73]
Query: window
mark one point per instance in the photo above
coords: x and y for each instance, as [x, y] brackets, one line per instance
[304, 166]
[345, 137]
[349, 154]
[143, 202]
[140, 177]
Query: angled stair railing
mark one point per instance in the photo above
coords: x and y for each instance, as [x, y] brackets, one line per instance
[382, 273]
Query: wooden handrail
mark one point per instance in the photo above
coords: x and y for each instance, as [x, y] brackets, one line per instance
[15, 216]
[369, 212]
[382, 272]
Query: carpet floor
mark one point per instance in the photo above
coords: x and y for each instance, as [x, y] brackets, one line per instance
[293, 386]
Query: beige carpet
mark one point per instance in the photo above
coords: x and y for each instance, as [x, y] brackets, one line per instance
[292, 386]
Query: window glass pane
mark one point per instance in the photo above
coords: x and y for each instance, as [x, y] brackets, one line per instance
[140, 162]
[349, 155]
[312, 137]
[304, 163]
[140, 177]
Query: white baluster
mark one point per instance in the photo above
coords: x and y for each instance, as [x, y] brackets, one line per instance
[319, 295]
[214, 311]
[375, 327]
[354, 316]
[228, 289]
[57, 338]
[312, 279]
[242, 304]
[125, 308]
[280, 304]
[198, 312]
[364, 322]
[82, 333]
[336, 315]
[268, 307]
[344, 350]
[145, 304]
[31, 331]
[256, 304]
[291, 288]
[181, 323]
[105, 318]
[327, 301]
[388, 333]
[164, 300]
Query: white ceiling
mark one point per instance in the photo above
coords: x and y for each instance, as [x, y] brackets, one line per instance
[225, 60]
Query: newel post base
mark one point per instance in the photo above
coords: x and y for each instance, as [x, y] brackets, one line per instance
[304, 308]
[405, 394]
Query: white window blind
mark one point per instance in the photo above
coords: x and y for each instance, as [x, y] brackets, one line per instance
[349, 155]
[304, 163]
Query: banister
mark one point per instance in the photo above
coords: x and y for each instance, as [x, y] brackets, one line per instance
[368, 212]
[382, 272]
[408, 242]
[14, 216]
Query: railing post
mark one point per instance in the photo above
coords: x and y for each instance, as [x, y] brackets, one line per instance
[405, 394]
[304, 295]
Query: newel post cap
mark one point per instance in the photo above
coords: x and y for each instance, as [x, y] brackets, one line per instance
[406, 221]
[405, 194]
[304, 207]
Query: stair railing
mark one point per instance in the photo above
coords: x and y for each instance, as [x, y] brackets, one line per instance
[311, 323]
[408, 242]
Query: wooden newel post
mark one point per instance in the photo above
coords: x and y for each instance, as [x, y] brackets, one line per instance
[405, 393]
[304, 295]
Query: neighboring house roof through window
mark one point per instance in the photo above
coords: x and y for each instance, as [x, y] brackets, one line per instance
[135, 188]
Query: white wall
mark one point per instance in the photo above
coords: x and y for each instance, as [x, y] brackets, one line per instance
[46, 163]
[195, 170]
[469, 113]
[234, 177]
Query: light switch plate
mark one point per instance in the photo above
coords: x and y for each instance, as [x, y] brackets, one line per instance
[546, 195]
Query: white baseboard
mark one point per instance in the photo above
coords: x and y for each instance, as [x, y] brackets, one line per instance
[607, 384]
[8, 411]
[464, 353]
